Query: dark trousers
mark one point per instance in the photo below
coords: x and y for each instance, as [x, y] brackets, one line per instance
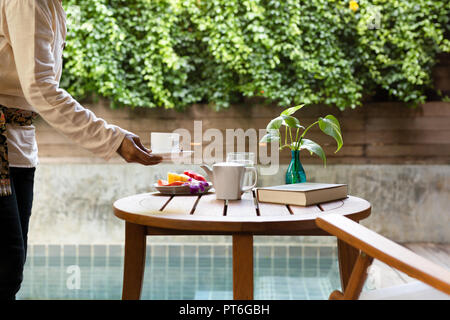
[15, 211]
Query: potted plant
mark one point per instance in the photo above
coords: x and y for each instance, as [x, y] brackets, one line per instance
[294, 139]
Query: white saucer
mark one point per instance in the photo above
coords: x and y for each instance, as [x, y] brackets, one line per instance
[179, 190]
[173, 156]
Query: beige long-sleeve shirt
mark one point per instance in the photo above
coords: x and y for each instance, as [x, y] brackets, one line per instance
[32, 39]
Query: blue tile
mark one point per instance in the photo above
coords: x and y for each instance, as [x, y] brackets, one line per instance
[181, 272]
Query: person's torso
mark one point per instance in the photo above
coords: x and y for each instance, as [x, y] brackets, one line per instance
[22, 147]
[11, 94]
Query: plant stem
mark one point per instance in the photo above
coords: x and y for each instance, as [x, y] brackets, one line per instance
[306, 130]
[296, 140]
[298, 143]
[290, 134]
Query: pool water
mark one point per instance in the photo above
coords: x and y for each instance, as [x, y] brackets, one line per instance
[179, 271]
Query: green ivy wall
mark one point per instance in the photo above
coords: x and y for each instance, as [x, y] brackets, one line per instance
[174, 53]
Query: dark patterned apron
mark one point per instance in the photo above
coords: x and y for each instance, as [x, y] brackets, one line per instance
[10, 116]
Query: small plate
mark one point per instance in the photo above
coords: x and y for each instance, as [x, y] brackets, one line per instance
[173, 156]
[179, 190]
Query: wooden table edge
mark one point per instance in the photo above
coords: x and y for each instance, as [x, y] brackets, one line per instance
[288, 225]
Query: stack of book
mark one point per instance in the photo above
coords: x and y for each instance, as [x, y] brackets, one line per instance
[302, 194]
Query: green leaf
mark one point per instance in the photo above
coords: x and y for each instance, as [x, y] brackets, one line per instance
[291, 111]
[330, 126]
[269, 138]
[175, 54]
[313, 147]
[275, 123]
[291, 122]
[334, 120]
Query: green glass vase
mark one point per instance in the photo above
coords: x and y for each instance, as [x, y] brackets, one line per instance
[295, 172]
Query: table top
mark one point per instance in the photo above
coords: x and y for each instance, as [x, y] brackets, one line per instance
[203, 213]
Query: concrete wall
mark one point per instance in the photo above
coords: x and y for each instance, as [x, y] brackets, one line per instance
[73, 201]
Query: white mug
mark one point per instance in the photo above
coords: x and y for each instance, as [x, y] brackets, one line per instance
[228, 179]
[165, 142]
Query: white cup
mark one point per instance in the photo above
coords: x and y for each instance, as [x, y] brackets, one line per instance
[165, 142]
[228, 179]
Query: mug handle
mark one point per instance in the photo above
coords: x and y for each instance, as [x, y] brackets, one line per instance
[255, 174]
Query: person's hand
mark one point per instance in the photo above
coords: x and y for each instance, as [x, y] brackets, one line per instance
[132, 150]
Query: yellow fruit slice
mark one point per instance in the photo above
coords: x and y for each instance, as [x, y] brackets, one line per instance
[172, 177]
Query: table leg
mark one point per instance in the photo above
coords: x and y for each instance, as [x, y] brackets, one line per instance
[133, 274]
[347, 259]
[243, 267]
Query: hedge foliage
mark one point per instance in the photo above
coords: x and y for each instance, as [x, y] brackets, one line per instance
[173, 53]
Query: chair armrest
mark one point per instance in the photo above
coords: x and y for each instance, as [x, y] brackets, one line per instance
[385, 250]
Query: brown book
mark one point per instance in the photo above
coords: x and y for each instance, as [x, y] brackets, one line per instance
[302, 194]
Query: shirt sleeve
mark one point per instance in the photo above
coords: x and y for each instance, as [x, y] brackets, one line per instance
[31, 37]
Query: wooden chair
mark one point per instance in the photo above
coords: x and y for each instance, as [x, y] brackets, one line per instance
[434, 280]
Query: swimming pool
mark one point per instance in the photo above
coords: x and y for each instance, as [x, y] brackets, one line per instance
[179, 271]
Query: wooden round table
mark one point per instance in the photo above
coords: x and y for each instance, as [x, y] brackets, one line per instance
[156, 214]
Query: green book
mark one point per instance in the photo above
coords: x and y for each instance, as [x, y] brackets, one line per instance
[302, 194]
